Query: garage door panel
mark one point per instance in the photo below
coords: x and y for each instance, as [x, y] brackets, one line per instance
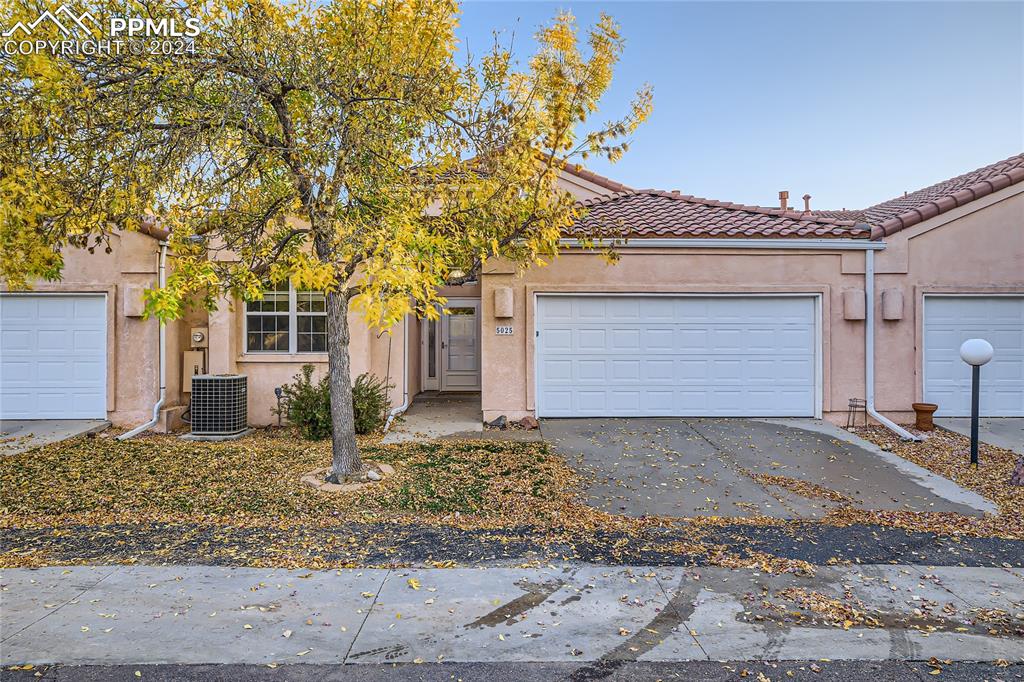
[53, 356]
[670, 355]
[629, 370]
[951, 320]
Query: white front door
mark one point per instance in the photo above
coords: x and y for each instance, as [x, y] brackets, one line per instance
[460, 345]
[951, 320]
[53, 356]
[676, 356]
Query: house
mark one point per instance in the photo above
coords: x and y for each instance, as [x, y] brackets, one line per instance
[713, 309]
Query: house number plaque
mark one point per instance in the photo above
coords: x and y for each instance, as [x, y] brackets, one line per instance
[503, 330]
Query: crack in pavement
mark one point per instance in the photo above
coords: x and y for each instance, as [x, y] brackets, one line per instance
[738, 469]
[66, 602]
[376, 596]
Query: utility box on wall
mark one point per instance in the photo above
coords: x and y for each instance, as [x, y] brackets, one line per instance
[854, 307]
[192, 364]
[892, 304]
[132, 302]
[503, 302]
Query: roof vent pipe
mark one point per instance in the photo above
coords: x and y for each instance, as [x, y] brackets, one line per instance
[784, 200]
[807, 203]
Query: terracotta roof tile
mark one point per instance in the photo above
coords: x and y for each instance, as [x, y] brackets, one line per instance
[900, 213]
[651, 213]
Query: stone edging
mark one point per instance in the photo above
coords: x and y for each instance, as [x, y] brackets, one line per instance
[315, 479]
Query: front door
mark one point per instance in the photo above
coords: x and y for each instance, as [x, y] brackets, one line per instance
[460, 346]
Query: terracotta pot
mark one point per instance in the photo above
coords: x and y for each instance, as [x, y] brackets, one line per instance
[924, 412]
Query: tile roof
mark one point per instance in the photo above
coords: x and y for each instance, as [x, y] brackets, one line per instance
[897, 214]
[653, 213]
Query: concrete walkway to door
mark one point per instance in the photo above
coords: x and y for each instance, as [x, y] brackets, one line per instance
[799, 468]
[436, 415]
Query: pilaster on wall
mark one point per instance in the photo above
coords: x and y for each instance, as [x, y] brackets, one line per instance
[223, 341]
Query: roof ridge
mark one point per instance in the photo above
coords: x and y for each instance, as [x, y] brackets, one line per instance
[807, 216]
[1015, 157]
[1008, 171]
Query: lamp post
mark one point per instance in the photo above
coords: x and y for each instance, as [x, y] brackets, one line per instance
[975, 352]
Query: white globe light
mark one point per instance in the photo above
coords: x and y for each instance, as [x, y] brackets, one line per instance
[976, 352]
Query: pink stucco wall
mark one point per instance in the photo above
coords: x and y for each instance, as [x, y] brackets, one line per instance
[132, 346]
[508, 360]
[975, 249]
[978, 248]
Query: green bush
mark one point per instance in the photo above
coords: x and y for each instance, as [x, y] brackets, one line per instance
[369, 403]
[308, 404]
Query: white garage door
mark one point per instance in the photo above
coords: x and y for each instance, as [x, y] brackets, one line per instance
[951, 320]
[53, 356]
[628, 356]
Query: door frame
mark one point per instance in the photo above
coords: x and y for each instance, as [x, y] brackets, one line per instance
[819, 321]
[439, 383]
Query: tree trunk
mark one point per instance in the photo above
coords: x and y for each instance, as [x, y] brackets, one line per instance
[345, 455]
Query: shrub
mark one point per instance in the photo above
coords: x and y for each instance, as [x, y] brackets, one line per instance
[308, 404]
[369, 403]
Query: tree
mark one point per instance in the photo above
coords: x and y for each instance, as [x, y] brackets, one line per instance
[342, 145]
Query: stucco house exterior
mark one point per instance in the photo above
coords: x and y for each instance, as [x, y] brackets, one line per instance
[713, 309]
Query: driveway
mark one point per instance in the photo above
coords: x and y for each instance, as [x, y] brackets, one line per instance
[1003, 432]
[744, 467]
[21, 435]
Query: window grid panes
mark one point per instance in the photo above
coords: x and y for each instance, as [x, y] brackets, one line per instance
[287, 321]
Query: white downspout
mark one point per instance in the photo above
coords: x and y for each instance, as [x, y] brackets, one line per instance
[869, 351]
[162, 278]
[405, 377]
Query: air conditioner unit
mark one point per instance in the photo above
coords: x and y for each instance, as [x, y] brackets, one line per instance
[219, 404]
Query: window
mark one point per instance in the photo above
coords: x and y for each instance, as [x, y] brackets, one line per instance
[287, 321]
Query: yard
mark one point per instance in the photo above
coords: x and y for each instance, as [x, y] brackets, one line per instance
[255, 481]
[160, 498]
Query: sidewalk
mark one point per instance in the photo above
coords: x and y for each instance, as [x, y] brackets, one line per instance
[573, 613]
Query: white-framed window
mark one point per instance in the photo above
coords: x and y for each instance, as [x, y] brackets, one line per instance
[286, 321]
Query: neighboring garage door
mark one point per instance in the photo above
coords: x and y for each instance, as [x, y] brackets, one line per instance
[632, 356]
[53, 356]
[951, 320]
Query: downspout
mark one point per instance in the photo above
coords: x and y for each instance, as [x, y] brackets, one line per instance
[869, 351]
[405, 377]
[162, 279]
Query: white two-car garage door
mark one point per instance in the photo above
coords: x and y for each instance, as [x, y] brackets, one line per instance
[631, 356]
[53, 356]
[951, 320]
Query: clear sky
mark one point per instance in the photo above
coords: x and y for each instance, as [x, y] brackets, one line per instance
[853, 103]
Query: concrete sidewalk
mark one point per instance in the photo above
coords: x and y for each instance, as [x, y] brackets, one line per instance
[574, 613]
[1003, 432]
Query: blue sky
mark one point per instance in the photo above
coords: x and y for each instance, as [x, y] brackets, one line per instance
[852, 103]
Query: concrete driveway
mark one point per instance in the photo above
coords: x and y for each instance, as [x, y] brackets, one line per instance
[1003, 432]
[21, 435]
[721, 467]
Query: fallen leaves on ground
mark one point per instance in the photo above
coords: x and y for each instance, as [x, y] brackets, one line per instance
[242, 503]
[948, 454]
